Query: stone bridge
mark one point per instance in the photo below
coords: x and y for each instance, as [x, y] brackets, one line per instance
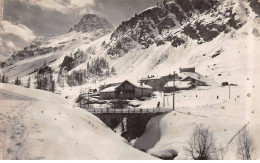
[133, 121]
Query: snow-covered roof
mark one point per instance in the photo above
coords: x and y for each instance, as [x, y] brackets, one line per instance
[150, 78]
[113, 88]
[199, 77]
[138, 85]
[109, 89]
[179, 84]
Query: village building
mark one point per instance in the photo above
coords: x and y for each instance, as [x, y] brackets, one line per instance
[104, 86]
[179, 85]
[196, 79]
[157, 83]
[126, 90]
[108, 93]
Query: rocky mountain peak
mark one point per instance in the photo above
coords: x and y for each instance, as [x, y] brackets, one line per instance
[91, 26]
[91, 22]
[177, 21]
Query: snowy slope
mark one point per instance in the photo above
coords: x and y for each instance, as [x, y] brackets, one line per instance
[40, 125]
[220, 40]
[223, 116]
[214, 39]
[223, 58]
[167, 135]
[52, 49]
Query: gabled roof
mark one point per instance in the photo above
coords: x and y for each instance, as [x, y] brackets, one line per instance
[113, 88]
[138, 86]
[199, 77]
[111, 84]
[109, 89]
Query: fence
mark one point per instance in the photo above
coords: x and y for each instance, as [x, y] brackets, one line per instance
[128, 110]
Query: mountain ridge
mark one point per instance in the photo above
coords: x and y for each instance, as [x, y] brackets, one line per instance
[149, 26]
[89, 28]
[178, 34]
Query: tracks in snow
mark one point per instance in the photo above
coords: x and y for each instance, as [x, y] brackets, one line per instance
[14, 111]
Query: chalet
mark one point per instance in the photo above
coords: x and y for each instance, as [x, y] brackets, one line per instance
[102, 87]
[108, 93]
[151, 81]
[196, 79]
[179, 85]
[126, 90]
[157, 83]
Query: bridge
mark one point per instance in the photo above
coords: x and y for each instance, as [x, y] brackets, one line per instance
[133, 121]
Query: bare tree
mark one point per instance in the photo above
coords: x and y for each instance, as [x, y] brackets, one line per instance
[201, 145]
[220, 152]
[245, 145]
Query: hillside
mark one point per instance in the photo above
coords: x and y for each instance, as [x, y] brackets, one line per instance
[36, 125]
[220, 38]
[167, 135]
[165, 37]
[207, 39]
[53, 49]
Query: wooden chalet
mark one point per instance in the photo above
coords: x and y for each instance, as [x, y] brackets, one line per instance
[126, 90]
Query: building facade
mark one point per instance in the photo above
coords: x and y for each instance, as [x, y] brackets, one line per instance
[156, 83]
[125, 90]
[195, 81]
[108, 93]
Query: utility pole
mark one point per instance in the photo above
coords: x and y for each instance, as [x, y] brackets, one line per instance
[163, 99]
[88, 96]
[229, 91]
[173, 107]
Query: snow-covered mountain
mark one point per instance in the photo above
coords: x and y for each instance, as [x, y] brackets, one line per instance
[220, 38]
[179, 33]
[184, 33]
[52, 49]
[92, 23]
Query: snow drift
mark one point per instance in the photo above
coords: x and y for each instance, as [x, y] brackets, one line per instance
[40, 125]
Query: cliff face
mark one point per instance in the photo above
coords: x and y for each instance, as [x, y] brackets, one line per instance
[175, 21]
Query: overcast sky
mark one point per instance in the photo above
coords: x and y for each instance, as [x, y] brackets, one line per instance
[45, 17]
[26, 19]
